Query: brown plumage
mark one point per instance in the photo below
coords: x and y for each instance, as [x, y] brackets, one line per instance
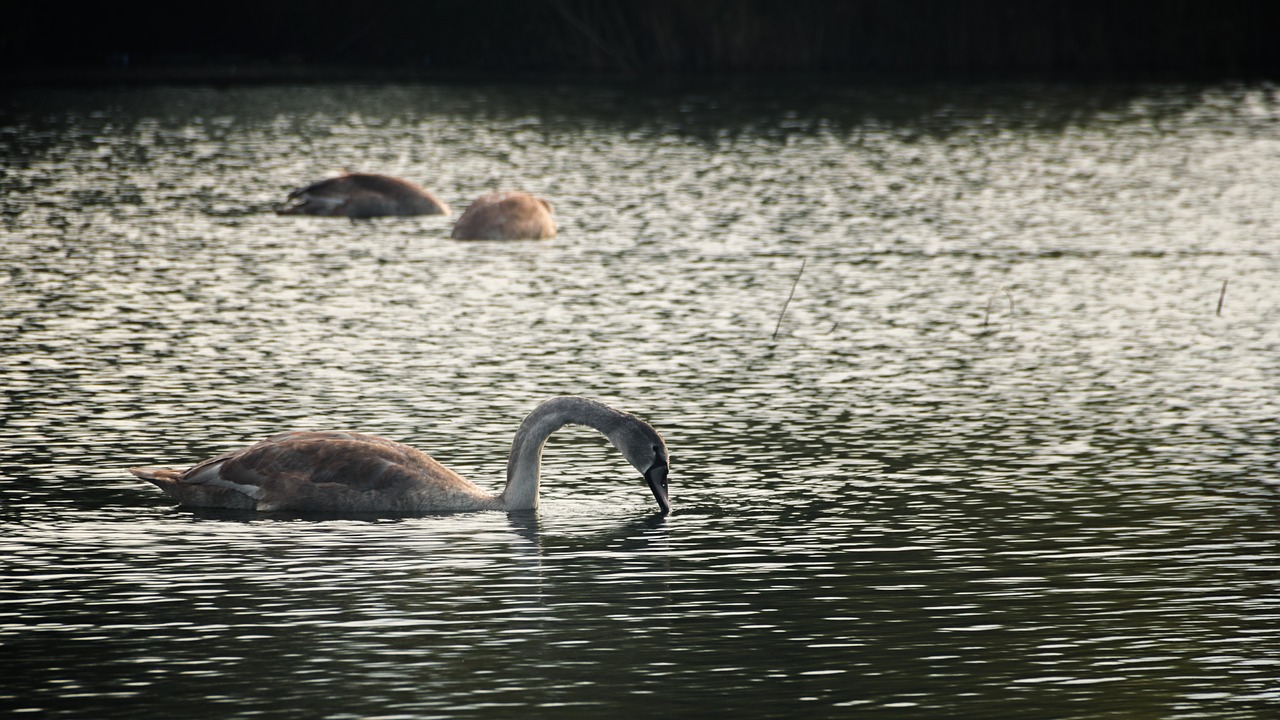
[335, 471]
[327, 471]
[363, 195]
[508, 215]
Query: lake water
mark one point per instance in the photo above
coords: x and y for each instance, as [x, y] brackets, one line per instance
[1011, 451]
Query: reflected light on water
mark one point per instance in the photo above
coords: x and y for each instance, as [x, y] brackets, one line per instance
[1003, 459]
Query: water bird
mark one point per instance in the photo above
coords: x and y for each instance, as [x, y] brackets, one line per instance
[506, 215]
[362, 195]
[338, 471]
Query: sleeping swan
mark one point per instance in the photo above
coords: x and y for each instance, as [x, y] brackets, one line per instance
[509, 215]
[335, 471]
[362, 195]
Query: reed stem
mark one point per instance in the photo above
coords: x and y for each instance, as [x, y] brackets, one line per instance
[987, 316]
[791, 295]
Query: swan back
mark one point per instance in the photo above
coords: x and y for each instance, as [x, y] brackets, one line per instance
[507, 215]
[363, 195]
[329, 471]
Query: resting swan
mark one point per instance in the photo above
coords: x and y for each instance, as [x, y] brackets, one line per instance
[509, 215]
[362, 195]
[335, 471]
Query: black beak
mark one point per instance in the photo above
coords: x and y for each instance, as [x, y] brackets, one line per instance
[656, 476]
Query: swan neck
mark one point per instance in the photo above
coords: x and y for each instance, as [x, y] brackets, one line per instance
[524, 465]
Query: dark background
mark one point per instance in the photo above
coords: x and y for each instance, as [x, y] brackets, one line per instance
[327, 39]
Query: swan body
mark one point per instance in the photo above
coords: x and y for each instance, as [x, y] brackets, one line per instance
[336, 471]
[508, 215]
[362, 195]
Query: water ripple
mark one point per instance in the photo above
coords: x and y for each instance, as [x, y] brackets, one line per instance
[1004, 457]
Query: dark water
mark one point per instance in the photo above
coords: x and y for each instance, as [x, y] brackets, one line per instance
[1005, 457]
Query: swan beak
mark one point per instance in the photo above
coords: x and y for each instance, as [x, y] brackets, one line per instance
[656, 476]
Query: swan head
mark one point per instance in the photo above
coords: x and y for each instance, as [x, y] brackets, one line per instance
[643, 447]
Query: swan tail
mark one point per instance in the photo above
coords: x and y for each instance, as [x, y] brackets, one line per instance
[194, 494]
[158, 475]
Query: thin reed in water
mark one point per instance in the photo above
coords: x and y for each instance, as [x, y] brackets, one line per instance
[789, 296]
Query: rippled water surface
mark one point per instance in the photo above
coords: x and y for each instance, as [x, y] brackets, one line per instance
[1011, 451]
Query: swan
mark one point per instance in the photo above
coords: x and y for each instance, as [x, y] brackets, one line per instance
[508, 215]
[362, 195]
[337, 471]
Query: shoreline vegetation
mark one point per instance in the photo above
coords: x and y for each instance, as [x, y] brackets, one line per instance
[393, 41]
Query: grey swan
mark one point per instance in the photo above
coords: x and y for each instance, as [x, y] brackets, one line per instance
[362, 195]
[337, 472]
[507, 215]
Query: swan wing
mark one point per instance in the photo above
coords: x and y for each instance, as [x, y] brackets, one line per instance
[329, 471]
